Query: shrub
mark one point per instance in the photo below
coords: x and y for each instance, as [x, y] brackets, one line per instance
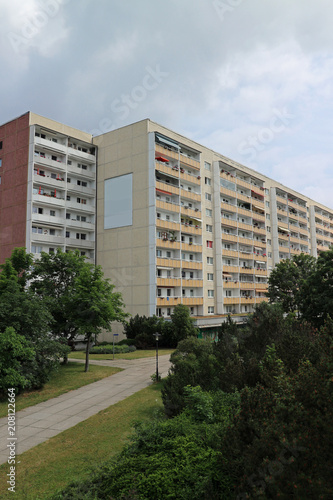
[108, 349]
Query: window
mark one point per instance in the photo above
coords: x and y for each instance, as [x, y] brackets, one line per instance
[208, 181]
[210, 293]
[210, 260]
[77, 236]
[52, 232]
[69, 162]
[191, 293]
[52, 213]
[68, 198]
[168, 254]
[268, 228]
[210, 276]
[0, 144]
[84, 167]
[78, 183]
[68, 216]
[53, 176]
[228, 293]
[168, 292]
[268, 217]
[269, 255]
[51, 250]
[208, 196]
[83, 254]
[54, 158]
[191, 275]
[209, 228]
[269, 242]
[159, 292]
[210, 309]
[68, 234]
[207, 166]
[68, 180]
[83, 236]
[209, 244]
[158, 215]
[0, 162]
[158, 253]
[267, 204]
[209, 212]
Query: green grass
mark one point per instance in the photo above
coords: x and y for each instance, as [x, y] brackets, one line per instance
[68, 456]
[129, 355]
[67, 378]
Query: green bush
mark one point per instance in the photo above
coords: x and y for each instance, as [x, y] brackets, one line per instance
[108, 349]
[127, 342]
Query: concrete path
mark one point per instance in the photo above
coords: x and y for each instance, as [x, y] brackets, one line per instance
[38, 423]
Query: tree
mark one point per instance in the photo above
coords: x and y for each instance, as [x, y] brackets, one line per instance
[182, 323]
[286, 283]
[15, 351]
[53, 280]
[28, 316]
[21, 262]
[318, 295]
[96, 305]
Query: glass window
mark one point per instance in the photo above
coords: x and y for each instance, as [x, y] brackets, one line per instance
[118, 202]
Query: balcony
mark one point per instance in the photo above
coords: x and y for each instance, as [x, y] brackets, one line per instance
[230, 284]
[167, 205]
[83, 190]
[172, 282]
[51, 145]
[229, 237]
[190, 228]
[195, 283]
[44, 199]
[73, 223]
[48, 181]
[246, 285]
[190, 212]
[74, 242]
[231, 300]
[163, 151]
[168, 263]
[192, 301]
[189, 162]
[229, 207]
[47, 239]
[166, 224]
[190, 195]
[230, 269]
[82, 207]
[229, 253]
[165, 243]
[228, 222]
[167, 301]
[73, 151]
[192, 247]
[48, 219]
[191, 264]
[247, 300]
[73, 169]
[167, 188]
[39, 161]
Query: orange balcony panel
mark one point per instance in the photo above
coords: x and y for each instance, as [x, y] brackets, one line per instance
[192, 301]
[191, 264]
[172, 282]
[167, 301]
[191, 229]
[231, 300]
[161, 243]
[169, 263]
[167, 188]
[228, 222]
[190, 212]
[192, 283]
[192, 248]
[247, 300]
[167, 224]
[230, 269]
[230, 284]
[190, 195]
[229, 253]
[171, 207]
[184, 160]
[229, 237]
[228, 207]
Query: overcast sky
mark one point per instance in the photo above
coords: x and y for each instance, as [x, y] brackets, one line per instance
[251, 79]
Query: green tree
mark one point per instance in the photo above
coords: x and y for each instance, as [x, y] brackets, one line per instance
[22, 263]
[318, 296]
[182, 323]
[27, 314]
[286, 283]
[96, 305]
[53, 280]
[15, 351]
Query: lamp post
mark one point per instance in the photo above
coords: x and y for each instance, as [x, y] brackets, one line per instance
[114, 335]
[156, 338]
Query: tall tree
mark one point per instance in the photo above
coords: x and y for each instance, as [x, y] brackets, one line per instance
[96, 305]
[53, 280]
[287, 281]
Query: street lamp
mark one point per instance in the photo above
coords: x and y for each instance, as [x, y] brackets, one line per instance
[114, 335]
[157, 335]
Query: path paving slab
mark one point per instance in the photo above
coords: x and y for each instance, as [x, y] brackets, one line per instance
[38, 423]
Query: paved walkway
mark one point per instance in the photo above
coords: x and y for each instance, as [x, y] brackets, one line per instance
[38, 423]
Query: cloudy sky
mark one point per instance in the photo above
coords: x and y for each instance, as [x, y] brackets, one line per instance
[251, 79]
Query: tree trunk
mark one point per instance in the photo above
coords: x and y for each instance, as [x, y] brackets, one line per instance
[86, 368]
[65, 361]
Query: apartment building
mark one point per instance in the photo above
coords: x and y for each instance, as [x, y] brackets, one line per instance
[48, 187]
[174, 223]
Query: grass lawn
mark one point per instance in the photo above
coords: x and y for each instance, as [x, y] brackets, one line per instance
[130, 355]
[53, 464]
[67, 378]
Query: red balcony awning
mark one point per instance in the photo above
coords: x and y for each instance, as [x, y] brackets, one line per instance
[160, 158]
[164, 192]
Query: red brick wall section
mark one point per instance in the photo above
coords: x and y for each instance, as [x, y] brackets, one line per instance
[13, 188]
